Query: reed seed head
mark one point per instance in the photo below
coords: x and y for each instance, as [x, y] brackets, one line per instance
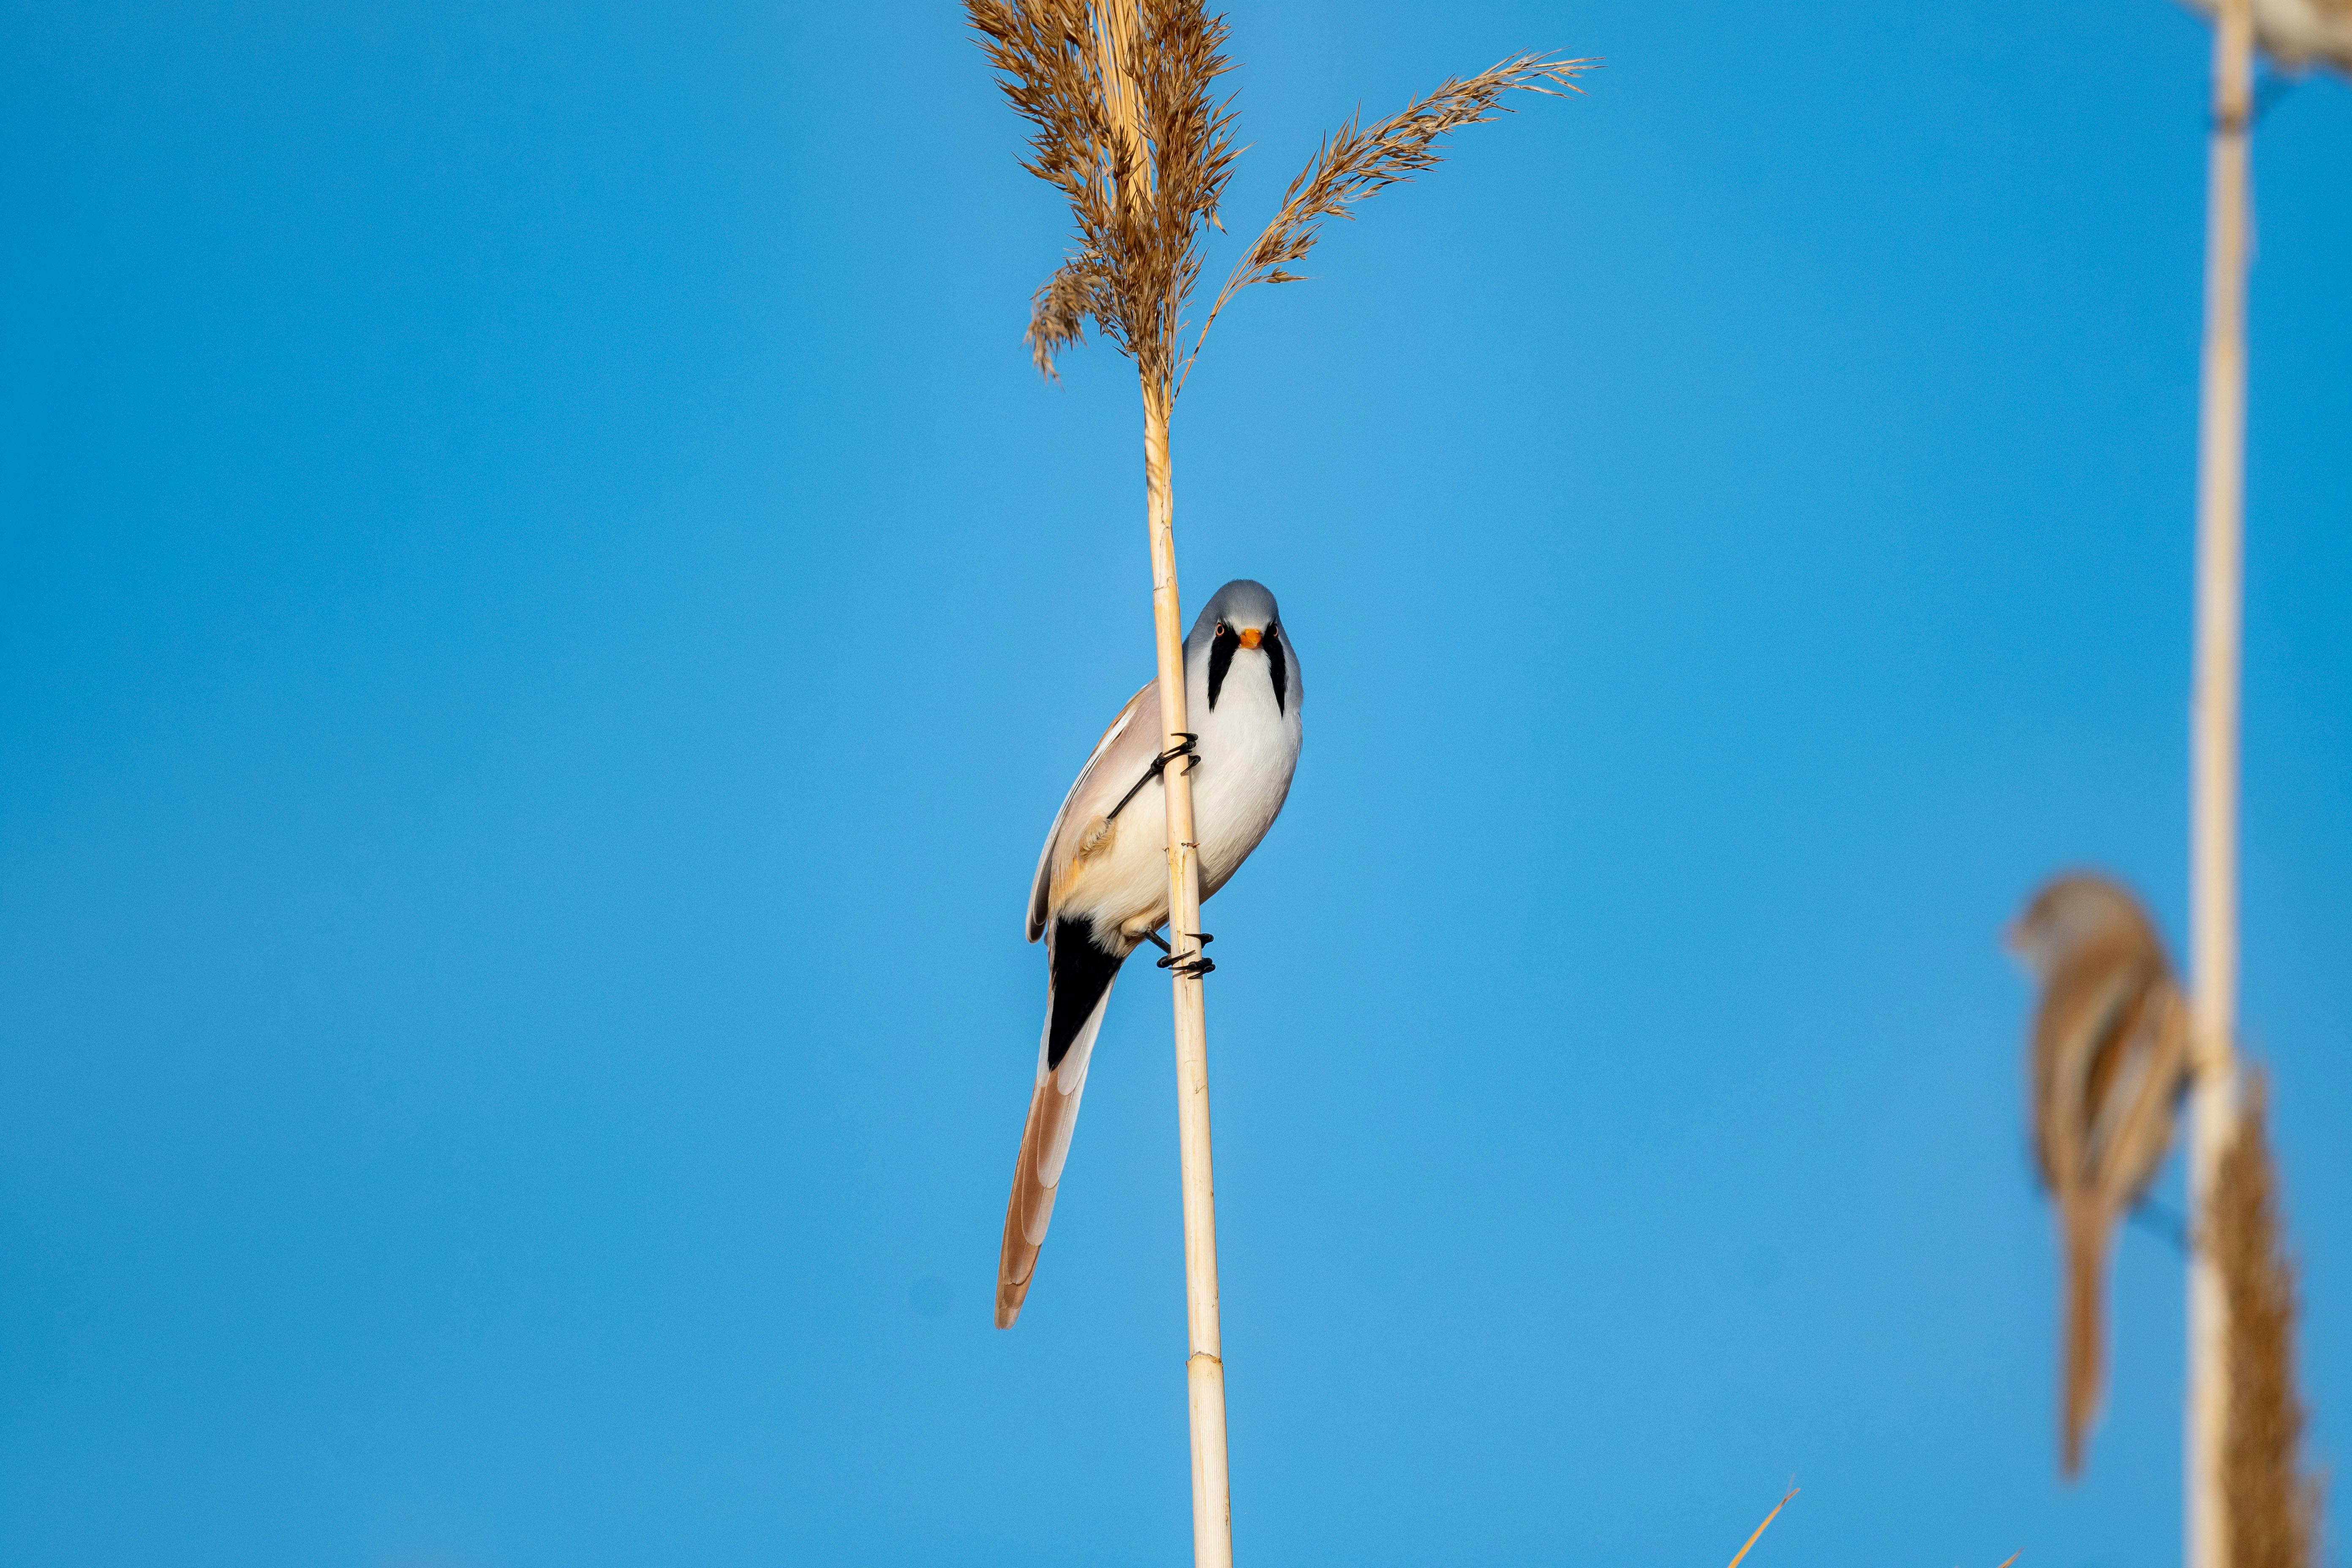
[2272, 1506]
[1119, 99]
[1120, 96]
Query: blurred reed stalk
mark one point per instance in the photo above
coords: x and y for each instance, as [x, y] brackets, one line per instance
[1117, 96]
[1758, 1533]
[2213, 858]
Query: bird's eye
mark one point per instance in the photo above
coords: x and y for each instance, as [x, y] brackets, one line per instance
[1224, 630]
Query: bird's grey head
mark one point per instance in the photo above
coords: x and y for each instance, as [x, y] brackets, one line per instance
[2068, 913]
[1241, 620]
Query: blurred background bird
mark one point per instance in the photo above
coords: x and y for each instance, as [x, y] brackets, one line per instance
[2107, 1062]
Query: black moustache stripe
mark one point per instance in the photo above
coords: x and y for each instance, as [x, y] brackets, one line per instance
[1276, 666]
[1221, 658]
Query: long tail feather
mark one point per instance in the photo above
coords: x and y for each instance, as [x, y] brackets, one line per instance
[2086, 1334]
[1037, 1171]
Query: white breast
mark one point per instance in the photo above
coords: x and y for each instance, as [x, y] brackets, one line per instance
[1248, 751]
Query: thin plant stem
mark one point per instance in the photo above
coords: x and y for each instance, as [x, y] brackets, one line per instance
[2213, 855]
[1758, 1533]
[1204, 1366]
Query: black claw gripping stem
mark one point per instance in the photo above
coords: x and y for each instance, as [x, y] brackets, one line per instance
[1198, 965]
[1187, 746]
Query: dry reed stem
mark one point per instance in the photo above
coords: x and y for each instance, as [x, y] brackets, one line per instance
[2215, 714]
[2272, 1506]
[1758, 1533]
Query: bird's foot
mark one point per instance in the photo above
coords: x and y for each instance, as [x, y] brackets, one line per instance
[1194, 965]
[1187, 746]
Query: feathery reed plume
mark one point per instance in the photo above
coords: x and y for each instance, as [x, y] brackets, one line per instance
[1353, 164]
[2273, 1507]
[1124, 125]
[2107, 1063]
[1118, 95]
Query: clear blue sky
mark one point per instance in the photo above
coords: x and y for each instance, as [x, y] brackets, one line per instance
[545, 612]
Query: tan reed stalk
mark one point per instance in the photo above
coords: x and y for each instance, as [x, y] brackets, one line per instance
[2274, 1505]
[1117, 93]
[1758, 1533]
[2214, 857]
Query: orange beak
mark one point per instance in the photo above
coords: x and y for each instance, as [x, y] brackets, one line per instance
[1251, 639]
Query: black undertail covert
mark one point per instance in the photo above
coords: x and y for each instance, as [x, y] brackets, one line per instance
[1082, 973]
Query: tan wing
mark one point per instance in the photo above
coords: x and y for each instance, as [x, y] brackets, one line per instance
[2102, 1011]
[2132, 1101]
[1117, 760]
[2137, 1065]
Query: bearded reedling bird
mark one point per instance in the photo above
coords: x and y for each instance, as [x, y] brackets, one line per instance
[1101, 889]
[2108, 1063]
